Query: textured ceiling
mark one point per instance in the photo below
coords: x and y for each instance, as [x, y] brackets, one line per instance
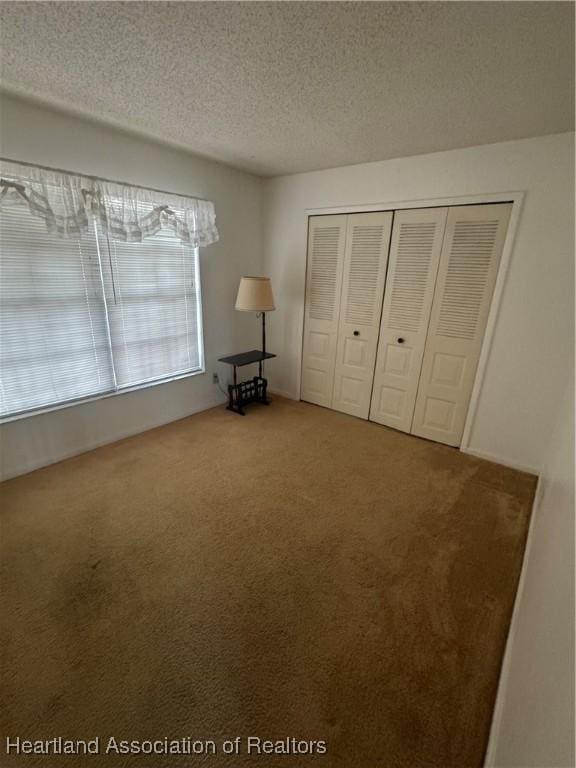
[284, 87]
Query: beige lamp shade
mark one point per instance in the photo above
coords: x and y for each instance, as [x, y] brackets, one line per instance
[255, 295]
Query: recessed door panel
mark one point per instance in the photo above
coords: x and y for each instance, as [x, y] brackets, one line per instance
[413, 266]
[392, 401]
[355, 354]
[366, 256]
[398, 360]
[315, 383]
[468, 267]
[350, 391]
[319, 345]
[448, 370]
[438, 414]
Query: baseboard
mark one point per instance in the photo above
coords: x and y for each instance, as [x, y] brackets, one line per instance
[506, 661]
[282, 393]
[531, 469]
[34, 465]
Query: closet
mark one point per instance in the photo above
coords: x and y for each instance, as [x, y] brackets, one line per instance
[395, 313]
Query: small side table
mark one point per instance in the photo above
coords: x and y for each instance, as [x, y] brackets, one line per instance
[249, 391]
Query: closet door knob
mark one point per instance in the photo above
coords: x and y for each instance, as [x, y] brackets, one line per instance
[356, 333]
[400, 341]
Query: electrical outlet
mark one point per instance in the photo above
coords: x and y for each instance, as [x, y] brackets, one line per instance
[215, 378]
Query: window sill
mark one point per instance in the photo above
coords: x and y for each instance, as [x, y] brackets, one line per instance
[103, 396]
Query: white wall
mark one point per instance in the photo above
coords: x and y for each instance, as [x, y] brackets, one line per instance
[527, 362]
[533, 723]
[35, 134]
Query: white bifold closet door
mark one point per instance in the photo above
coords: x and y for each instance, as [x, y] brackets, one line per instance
[326, 242]
[365, 260]
[413, 264]
[473, 244]
[403, 348]
[347, 257]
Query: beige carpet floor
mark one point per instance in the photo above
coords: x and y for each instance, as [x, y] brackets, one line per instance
[292, 573]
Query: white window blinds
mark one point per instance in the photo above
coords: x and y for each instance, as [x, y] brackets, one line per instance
[153, 306]
[86, 315]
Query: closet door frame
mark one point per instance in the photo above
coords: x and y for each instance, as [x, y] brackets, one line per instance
[517, 200]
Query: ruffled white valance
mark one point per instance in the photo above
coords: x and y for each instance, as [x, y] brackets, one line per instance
[68, 203]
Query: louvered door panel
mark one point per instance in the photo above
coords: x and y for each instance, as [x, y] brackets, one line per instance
[326, 241]
[366, 256]
[468, 268]
[413, 266]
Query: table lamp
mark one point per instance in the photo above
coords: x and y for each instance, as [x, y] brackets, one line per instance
[255, 295]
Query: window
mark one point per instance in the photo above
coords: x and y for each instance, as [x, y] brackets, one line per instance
[153, 307]
[89, 315]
